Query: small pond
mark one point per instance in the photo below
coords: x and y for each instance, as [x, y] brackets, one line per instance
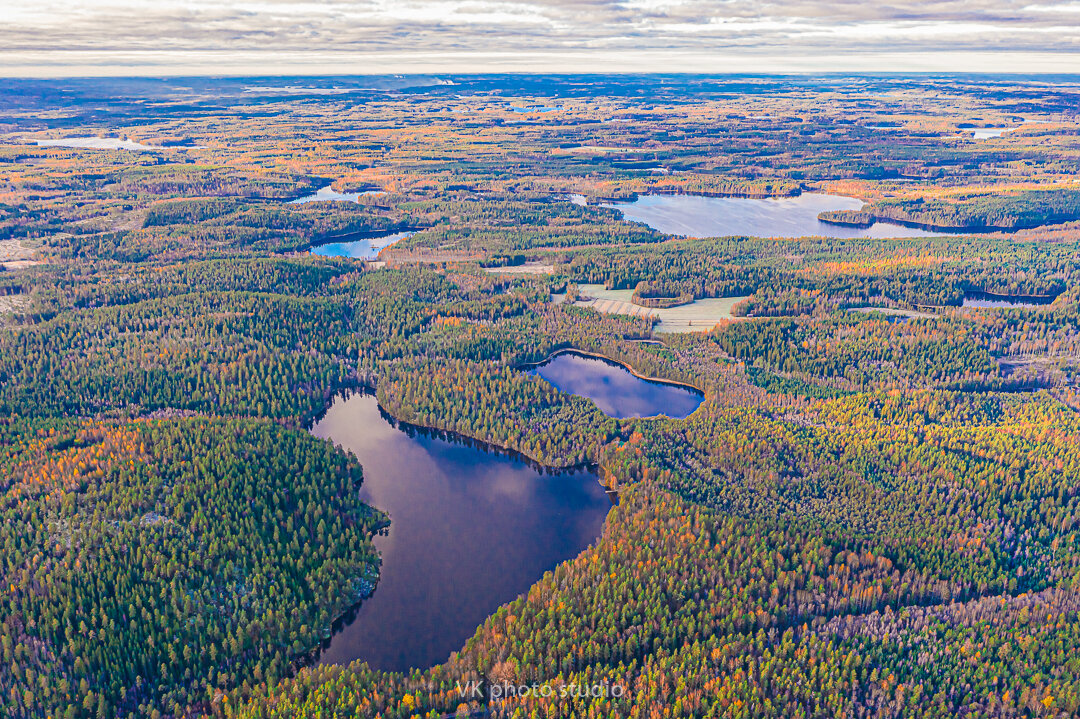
[364, 247]
[615, 390]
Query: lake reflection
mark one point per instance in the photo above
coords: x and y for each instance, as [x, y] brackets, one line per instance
[697, 216]
[366, 248]
[985, 133]
[470, 530]
[988, 300]
[329, 194]
[614, 389]
[98, 143]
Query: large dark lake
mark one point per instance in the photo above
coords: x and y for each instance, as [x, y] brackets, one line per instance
[470, 530]
[614, 389]
[698, 216]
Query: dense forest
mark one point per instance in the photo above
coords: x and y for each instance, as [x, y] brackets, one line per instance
[873, 512]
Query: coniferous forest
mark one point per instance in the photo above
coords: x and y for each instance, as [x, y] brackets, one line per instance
[874, 511]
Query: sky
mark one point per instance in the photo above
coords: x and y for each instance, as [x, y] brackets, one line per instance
[168, 37]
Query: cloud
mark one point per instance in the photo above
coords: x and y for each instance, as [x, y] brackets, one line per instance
[59, 32]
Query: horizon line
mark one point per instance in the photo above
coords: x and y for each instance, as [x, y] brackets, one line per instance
[70, 64]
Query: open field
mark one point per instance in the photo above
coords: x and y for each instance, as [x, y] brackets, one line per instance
[698, 316]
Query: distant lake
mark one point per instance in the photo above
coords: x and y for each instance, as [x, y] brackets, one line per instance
[365, 248]
[699, 216]
[328, 194]
[985, 133]
[988, 300]
[614, 389]
[535, 108]
[98, 143]
[470, 530]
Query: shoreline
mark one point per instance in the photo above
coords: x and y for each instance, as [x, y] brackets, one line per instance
[624, 365]
[312, 657]
[363, 388]
[357, 236]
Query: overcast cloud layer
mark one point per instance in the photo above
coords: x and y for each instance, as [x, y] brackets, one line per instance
[52, 36]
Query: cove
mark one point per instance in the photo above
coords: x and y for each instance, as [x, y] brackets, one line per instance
[471, 529]
[616, 390]
[989, 300]
[700, 216]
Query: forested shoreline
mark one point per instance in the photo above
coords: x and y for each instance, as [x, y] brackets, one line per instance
[873, 512]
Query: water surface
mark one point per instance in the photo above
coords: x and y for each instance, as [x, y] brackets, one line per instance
[98, 143]
[470, 530]
[365, 248]
[989, 300]
[614, 389]
[699, 216]
[985, 133]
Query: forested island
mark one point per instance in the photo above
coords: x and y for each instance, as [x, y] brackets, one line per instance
[872, 513]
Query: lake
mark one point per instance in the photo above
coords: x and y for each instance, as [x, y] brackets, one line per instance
[699, 216]
[470, 530]
[615, 390]
[989, 300]
[364, 248]
[98, 143]
[328, 194]
[985, 133]
[545, 108]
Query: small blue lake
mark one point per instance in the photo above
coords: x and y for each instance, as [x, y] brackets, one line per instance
[615, 390]
[363, 248]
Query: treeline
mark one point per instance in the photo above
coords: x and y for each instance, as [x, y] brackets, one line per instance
[148, 566]
[498, 225]
[232, 352]
[817, 276]
[693, 614]
[794, 510]
[498, 405]
[277, 226]
[867, 353]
